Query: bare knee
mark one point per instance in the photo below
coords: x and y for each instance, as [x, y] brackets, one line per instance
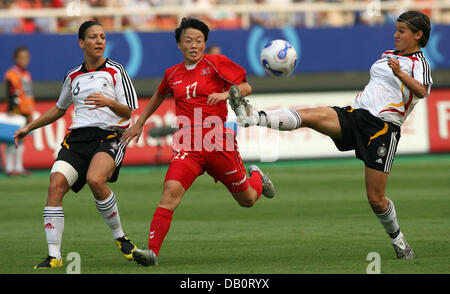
[322, 119]
[246, 198]
[377, 201]
[172, 195]
[311, 116]
[57, 189]
[96, 182]
[246, 202]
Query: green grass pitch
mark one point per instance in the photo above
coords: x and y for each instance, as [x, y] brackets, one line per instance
[319, 222]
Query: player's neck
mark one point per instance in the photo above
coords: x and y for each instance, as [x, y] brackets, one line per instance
[21, 68]
[190, 65]
[409, 51]
[93, 63]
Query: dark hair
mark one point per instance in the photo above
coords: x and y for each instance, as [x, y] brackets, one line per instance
[188, 23]
[18, 50]
[417, 21]
[85, 26]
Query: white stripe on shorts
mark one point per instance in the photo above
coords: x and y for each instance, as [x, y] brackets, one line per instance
[120, 154]
[391, 152]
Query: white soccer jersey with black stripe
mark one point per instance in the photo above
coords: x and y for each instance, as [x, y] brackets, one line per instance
[385, 96]
[111, 80]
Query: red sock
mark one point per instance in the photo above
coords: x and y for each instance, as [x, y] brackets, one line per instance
[256, 182]
[158, 228]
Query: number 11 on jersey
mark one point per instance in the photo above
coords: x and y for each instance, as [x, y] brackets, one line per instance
[194, 90]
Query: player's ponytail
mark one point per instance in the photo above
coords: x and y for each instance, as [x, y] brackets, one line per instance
[417, 21]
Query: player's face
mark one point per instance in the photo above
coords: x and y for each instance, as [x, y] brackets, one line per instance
[405, 40]
[94, 42]
[23, 59]
[192, 45]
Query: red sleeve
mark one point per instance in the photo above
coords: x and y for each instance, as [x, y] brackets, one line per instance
[231, 72]
[163, 87]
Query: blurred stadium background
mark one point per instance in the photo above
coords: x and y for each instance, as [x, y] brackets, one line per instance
[336, 40]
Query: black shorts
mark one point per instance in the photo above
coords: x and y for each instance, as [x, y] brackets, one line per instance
[374, 140]
[80, 145]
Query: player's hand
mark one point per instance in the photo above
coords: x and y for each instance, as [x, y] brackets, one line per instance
[134, 131]
[394, 64]
[97, 100]
[19, 135]
[216, 97]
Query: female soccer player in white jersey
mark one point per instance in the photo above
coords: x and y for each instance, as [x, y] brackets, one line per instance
[91, 153]
[371, 126]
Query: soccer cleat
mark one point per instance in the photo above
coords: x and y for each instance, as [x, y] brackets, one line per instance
[145, 257]
[49, 262]
[245, 115]
[268, 187]
[126, 247]
[402, 249]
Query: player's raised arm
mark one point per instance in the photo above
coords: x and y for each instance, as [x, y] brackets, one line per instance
[135, 130]
[48, 117]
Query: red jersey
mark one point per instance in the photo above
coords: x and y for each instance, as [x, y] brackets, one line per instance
[191, 86]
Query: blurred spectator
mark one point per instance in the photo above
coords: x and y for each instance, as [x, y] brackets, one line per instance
[263, 18]
[206, 5]
[8, 25]
[206, 10]
[213, 50]
[221, 19]
[138, 22]
[20, 101]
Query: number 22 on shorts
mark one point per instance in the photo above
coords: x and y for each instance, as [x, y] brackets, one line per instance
[180, 155]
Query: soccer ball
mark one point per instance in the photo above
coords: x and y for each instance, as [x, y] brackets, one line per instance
[278, 58]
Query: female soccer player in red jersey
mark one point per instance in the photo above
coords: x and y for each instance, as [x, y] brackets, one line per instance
[200, 87]
[371, 126]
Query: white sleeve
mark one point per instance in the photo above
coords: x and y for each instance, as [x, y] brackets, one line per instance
[422, 73]
[125, 92]
[65, 97]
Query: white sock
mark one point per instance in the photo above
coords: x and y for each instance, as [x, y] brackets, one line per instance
[389, 221]
[280, 119]
[54, 227]
[110, 213]
[10, 152]
[18, 158]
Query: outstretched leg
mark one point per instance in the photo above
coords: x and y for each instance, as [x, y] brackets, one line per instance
[322, 119]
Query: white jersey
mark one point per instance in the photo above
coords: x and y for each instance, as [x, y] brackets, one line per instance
[385, 96]
[109, 79]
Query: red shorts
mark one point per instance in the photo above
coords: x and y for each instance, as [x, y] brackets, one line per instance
[224, 166]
